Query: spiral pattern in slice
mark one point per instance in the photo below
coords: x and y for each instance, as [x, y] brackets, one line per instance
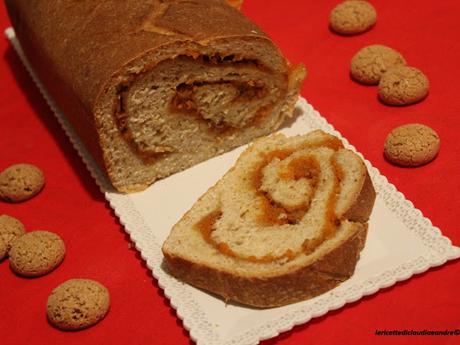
[197, 96]
[286, 201]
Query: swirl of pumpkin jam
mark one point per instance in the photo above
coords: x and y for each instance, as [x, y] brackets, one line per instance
[274, 214]
[220, 94]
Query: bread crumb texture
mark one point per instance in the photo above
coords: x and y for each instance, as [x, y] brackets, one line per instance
[10, 229]
[36, 253]
[77, 304]
[21, 182]
[412, 145]
[403, 85]
[371, 62]
[352, 17]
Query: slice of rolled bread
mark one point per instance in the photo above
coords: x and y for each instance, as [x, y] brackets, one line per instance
[155, 86]
[285, 224]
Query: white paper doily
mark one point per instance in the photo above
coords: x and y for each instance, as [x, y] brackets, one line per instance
[401, 242]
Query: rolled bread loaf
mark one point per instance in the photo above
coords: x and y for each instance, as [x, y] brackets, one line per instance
[153, 87]
[285, 224]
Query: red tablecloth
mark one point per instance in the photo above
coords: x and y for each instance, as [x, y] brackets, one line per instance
[426, 32]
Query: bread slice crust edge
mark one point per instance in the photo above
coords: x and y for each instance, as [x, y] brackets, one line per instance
[302, 284]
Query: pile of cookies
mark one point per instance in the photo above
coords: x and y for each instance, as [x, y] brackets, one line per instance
[398, 83]
[76, 303]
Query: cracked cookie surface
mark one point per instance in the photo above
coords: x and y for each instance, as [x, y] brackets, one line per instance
[371, 62]
[21, 182]
[10, 229]
[77, 304]
[36, 253]
[403, 85]
[352, 17]
[411, 145]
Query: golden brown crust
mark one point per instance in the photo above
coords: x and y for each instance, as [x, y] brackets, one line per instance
[87, 44]
[310, 281]
[362, 208]
[82, 51]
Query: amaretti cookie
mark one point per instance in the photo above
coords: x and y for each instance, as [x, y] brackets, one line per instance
[352, 17]
[36, 253]
[412, 145]
[371, 62]
[10, 229]
[403, 85]
[77, 304]
[20, 182]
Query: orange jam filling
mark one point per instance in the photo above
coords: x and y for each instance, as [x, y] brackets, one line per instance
[273, 213]
[206, 227]
[302, 167]
[183, 100]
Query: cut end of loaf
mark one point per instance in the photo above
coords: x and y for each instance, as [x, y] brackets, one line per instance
[285, 224]
[191, 108]
[154, 87]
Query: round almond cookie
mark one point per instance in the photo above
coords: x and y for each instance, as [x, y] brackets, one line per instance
[403, 85]
[21, 182]
[36, 253]
[77, 304]
[371, 62]
[10, 229]
[411, 145]
[352, 17]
